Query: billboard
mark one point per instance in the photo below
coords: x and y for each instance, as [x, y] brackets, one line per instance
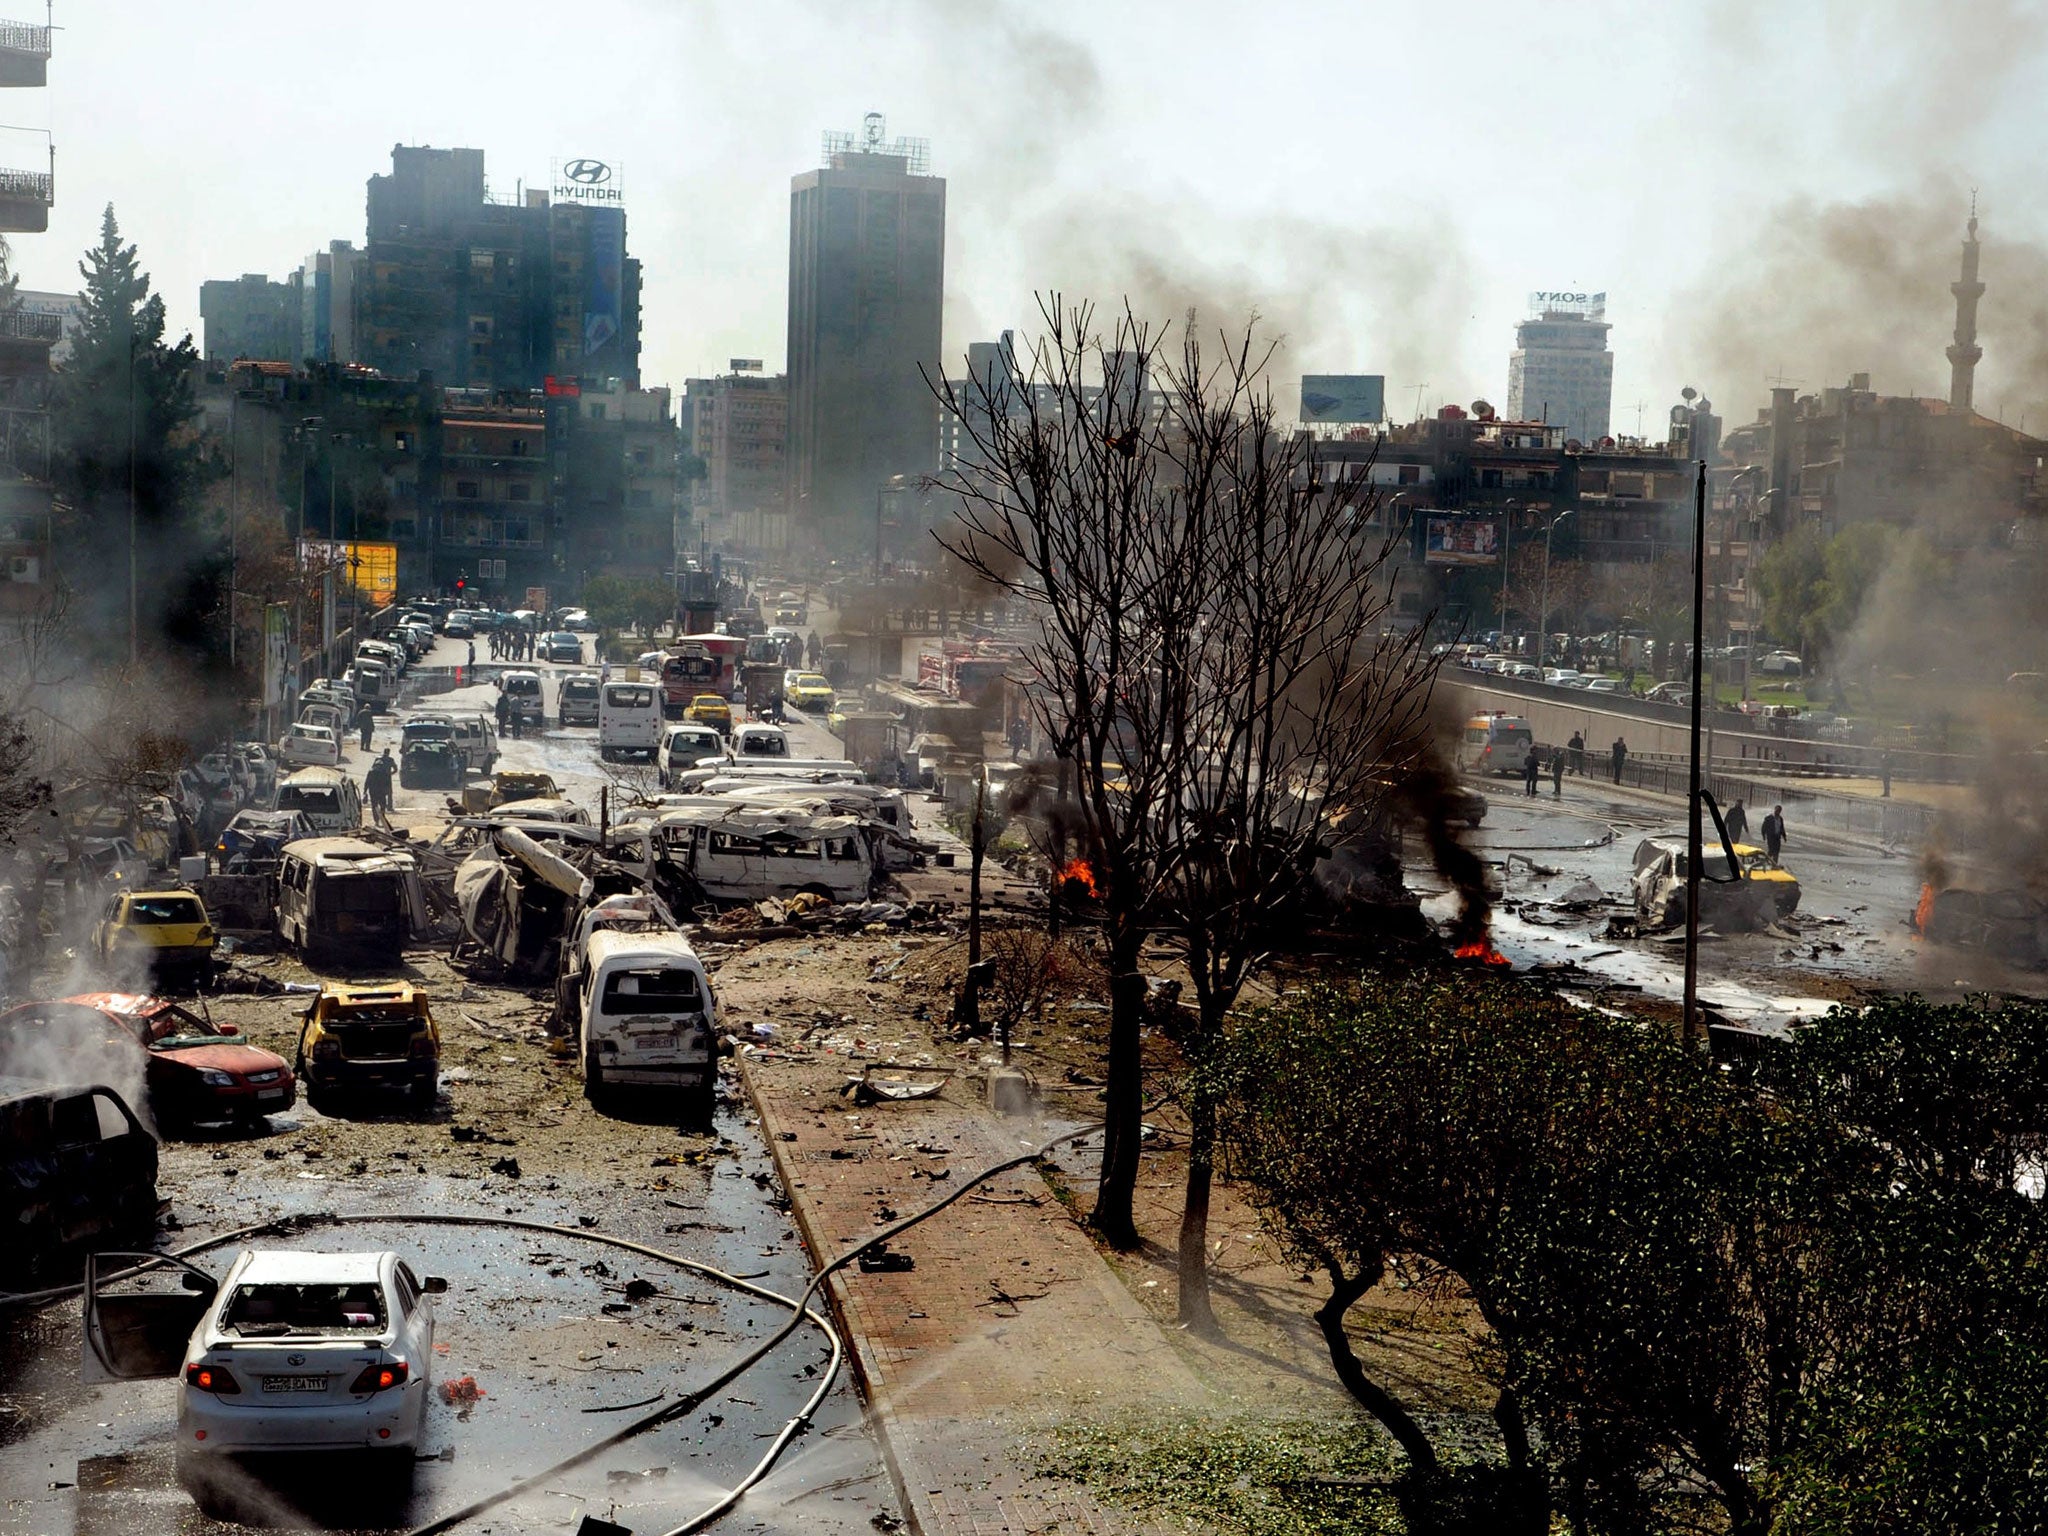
[372, 567]
[1343, 397]
[605, 265]
[1591, 306]
[1461, 541]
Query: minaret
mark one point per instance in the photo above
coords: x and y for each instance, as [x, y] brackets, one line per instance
[1962, 357]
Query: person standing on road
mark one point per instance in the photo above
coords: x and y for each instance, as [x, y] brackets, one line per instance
[1557, 773]
[1774, 833]
[377, 781]
[1736, 820]
[1620, 752]
[365, 723]
[1532, 768]
[472, 655]
[1578, 751]
[1884, 768]
[814, 650]
[504, 713]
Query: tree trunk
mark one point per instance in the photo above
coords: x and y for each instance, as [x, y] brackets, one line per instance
[1113, 1217]
[1514, 1433]
[1330, 1318]
[1195, 1311]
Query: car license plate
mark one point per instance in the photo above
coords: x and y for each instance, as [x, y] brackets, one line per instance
[295, 1383]
[265, 1095]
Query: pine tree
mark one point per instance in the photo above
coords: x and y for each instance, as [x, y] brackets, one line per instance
[125, 422]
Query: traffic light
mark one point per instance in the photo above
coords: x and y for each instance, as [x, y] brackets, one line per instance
[460, 583]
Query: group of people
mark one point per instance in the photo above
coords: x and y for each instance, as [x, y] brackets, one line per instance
[510, 720]
[1572, 754]
[512, 644]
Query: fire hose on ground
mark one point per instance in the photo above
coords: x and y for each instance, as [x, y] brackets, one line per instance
[800, 1310]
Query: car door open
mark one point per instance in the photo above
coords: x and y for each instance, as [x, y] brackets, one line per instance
[140, 1310]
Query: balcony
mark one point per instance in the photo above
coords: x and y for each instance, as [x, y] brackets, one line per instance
[24, 54]
[25, 199]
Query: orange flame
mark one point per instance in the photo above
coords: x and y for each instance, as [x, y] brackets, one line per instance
[1482, 951]
[1924, 913]
[1078, 872]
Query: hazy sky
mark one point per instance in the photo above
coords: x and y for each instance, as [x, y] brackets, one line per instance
[1759, 187]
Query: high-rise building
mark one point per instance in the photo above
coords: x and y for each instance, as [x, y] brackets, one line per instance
[250, 316]
[1561, 371]
[735, 432]
[491, 295]
[327, 304]
[867, 261]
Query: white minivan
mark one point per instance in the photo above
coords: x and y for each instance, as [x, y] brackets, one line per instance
[628, 719]
[647, 1018]
[683, 747]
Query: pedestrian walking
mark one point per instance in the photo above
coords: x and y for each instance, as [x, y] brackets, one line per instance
[1578, 751]
[1736, 820]
[1774, 833]
[377, 781]
[472, 655]
[1532, 769]
[1884, 768]
[1557, 773]
[1620, 754]
[365, 722]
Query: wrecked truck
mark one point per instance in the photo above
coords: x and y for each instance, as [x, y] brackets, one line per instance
[1741, 890]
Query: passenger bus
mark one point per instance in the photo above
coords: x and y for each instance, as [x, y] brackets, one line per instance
[701, 664]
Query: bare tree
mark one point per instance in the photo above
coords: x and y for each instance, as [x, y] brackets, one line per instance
[1073, 501]
[1299, 706]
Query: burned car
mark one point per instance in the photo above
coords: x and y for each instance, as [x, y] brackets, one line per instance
[2011, 922]
[76, 1167]
[195, 1069]
[1752, 894]
[431, 764]
[254, 841]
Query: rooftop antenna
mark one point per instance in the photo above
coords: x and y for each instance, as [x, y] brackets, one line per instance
[1418, 399]
[1641, 406]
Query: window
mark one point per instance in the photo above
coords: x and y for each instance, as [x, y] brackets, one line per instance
[650, 991]
[467, 489]
[259, 1311]
[521, 491]
[1411, 474]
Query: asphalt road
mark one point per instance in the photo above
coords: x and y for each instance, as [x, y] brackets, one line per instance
[540, 1322]
[1851, 931]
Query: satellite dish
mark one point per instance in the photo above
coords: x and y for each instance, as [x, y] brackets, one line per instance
[1688, 393]
[1482, 410]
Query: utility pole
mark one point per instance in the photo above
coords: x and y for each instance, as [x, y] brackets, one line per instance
[1543, 610]
[134, 630]
[1695, 1031]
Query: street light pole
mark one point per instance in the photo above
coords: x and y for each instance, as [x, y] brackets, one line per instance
[1695, 1031]
[1507, 537]
[1543, 611]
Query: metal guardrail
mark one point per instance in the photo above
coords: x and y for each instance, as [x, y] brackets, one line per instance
[32, 186]
[31, 325]
[1895, 822]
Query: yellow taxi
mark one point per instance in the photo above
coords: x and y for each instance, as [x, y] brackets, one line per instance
[709, 709]
[809, 690]
[167, 930]
[366, 1037]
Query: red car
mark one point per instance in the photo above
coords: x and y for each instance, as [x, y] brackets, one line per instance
[196, 1070]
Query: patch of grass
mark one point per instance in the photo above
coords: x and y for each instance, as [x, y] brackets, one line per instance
[1280, 1477]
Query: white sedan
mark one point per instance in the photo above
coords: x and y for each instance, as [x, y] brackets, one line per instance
[292, 1352]
[310, 746]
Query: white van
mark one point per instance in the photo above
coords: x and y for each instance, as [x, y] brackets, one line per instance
[327, 798]
[757, 740]
[521, 688]
[683, 747]
[628, 719]
[738, 852]
[646, 1018]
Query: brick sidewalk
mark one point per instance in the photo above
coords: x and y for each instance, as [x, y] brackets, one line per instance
[1010, 1320]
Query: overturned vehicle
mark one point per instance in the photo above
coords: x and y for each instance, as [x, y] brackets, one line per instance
[1741, 890]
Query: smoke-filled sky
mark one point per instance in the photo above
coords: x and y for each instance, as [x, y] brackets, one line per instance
[1761, 188]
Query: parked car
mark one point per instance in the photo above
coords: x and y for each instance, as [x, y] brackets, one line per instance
[683, 747]
[1602, 685]
[645, 1018]
[712, 710]
[1669, 693]
[1564, 677]
[459, 626]
[807, 690]
[165, 932]
[310, 746]
[1781, 664]
[291, 1352]
[561, 646]
[196, 1071]
[430, 764]
[374, 1037]
[576, 699]
[577, 621]
[522, 688]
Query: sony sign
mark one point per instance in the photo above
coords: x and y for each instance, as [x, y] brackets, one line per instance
[587, 181]
[1590, 304]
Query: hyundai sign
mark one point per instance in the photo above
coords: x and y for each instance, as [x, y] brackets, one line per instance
[586, 180]
[1343, 397]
